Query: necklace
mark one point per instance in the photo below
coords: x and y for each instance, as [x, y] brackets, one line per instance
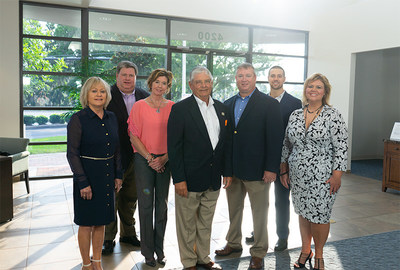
[315, 115]
[317, 110]
[159, 105]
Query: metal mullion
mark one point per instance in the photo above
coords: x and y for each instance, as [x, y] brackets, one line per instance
[30, 3]
[21, 63]
[33, 72]
[279, 55]
[85, 33]
[285, 82]
[125, 43]
[47, 108]
[249, 56]
[306, 54]
[47, 143]
[51, 38]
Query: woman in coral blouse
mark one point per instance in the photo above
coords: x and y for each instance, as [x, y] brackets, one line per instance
[147, 126]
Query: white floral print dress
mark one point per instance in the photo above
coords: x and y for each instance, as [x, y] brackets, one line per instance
[312, 156]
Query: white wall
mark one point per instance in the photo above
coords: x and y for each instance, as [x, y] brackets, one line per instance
[9, 69]
[376, 101]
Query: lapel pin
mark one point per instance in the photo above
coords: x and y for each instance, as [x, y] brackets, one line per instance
[223, 114]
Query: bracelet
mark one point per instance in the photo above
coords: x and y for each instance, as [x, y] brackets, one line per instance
[147, 157]
[284, 173]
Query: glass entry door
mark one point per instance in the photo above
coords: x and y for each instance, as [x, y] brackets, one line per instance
[182, 64]
[222, 67]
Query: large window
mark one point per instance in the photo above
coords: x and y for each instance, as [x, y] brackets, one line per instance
[62, 46]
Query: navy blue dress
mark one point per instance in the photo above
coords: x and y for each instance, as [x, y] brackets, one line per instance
[88, 137]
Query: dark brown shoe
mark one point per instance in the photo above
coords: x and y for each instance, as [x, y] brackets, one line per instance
[190, 268]
[227, 250]
[211, 266]
[256, 263]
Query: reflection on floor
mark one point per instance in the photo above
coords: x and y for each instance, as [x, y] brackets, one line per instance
[43, 236]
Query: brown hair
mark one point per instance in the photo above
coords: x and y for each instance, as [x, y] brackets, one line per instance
[160, 72]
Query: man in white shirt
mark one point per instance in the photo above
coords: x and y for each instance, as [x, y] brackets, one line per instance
[199, 151]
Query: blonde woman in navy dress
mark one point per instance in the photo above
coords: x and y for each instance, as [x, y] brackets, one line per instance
[314, 157]
[94, 157]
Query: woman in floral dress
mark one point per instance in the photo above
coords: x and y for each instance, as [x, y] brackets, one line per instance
[314, 157]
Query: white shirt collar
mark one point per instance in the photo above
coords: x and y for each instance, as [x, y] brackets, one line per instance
[202, 103]
[278, 98]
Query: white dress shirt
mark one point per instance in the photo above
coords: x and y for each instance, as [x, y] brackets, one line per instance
[278, 98]
[210, 119]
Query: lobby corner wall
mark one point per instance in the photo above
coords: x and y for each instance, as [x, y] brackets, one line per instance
[9, 68]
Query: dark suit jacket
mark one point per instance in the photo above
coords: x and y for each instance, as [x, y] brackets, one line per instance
[257, 139]
[288, 104]
[117, 105]
[191, 156]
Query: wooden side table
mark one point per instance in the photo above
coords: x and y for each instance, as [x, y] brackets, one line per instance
[391, 165]
[6, 192]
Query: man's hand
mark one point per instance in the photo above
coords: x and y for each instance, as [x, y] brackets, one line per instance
[227, 181]
[181, 189]
[269, 177]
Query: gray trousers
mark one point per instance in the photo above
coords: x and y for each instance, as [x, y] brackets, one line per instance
[152, 190]
[282, 209]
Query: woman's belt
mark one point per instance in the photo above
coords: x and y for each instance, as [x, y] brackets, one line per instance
[97, 158]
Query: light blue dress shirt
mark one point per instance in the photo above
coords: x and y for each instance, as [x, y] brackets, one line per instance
[240, 105]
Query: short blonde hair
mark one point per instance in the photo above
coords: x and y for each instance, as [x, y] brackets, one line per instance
[327, 88]
[160, 72]
[88, 85]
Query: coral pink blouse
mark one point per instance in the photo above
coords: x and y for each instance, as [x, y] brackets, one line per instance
[150, 126]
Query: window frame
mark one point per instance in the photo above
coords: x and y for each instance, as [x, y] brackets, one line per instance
[85, 41]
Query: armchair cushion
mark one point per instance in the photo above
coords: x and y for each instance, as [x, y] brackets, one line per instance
[17, 147]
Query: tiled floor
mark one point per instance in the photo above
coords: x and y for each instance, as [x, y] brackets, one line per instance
[43, 236]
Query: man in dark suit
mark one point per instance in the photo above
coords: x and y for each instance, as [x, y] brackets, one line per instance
[199, 151]
[257, 144]
[288, 103]
[124, 95]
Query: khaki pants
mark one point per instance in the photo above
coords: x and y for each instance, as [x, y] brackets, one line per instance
[259, 200]
[125, 205]
[194, 216]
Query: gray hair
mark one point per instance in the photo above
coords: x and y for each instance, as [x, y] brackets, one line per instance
[246, 66]
[127, 64]
[88, 85]
[198, 70]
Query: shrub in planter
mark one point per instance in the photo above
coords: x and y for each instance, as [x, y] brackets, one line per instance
[56, 119]
[42, 120]
[29, 120]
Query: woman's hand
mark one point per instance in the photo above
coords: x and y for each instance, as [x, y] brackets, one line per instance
[335, 181]
[158, 163]
[117, 184]
[285, 180]
[86, 193]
